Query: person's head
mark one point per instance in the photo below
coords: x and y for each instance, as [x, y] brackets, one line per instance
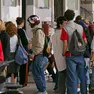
[20, 21]
[11, 29]
[7, 23]
[78, 19]
[2, 26]
[33, 20]
[69, 14]
[60, 22]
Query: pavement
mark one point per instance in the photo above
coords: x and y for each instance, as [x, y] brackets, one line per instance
[31, 87]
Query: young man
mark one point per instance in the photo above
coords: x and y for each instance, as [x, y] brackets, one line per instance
[39, 60]
[75, 64]
[60, 60]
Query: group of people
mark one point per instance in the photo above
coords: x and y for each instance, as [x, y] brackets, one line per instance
[9, 36]
[72, 71]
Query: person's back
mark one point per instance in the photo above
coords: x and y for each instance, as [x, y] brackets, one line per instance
[75, 63]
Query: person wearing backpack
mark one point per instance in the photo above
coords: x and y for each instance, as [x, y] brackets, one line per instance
[74, 41]
[88, 47]
[39, 59]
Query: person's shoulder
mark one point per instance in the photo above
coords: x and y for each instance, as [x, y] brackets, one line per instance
[4, 32]
[78, 26]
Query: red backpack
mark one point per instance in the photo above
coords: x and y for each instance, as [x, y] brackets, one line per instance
[1, 53]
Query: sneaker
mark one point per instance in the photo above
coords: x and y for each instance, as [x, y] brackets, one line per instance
[87, 89]
[42, 92]
[78, 90]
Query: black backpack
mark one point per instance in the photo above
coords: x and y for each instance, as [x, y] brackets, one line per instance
[76, 44]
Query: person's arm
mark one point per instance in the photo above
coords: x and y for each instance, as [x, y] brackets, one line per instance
[65, 46]
[6, 45]
[64, 38]
[84, 37]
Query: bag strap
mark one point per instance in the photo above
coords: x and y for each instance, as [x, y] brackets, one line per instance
[19, 40]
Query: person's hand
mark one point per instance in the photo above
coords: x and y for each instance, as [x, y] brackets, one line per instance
[91, 64]
[32, 56]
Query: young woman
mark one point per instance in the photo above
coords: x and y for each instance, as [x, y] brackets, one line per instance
[57, 49]
[13, 68]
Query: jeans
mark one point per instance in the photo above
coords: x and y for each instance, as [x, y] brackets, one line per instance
[76, 66]
[38, 66]
[87, 60]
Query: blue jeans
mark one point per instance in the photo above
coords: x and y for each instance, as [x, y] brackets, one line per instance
[76, 66]
[38, 66]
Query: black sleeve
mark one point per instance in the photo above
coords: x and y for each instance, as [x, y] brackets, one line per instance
[5, 44]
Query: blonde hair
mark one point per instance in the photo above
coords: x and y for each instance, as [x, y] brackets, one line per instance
[2, 25]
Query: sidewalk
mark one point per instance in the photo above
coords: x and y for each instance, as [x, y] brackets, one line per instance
[31, 87]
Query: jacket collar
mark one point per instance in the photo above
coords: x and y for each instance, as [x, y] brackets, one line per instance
[35, 27]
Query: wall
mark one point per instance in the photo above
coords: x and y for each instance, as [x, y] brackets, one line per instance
[9, 12]
[87, 9]
[43, 13]
[72, 4]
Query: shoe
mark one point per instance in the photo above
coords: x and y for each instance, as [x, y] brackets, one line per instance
[78, 90]
[41, 92]
[87, 89]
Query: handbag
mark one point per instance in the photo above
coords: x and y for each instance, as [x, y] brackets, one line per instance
[21, 56]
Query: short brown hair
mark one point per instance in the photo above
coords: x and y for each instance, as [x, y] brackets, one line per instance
[2, 25]
[69, 14]
[11, 29]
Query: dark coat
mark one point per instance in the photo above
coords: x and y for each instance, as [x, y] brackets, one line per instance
[22, 35]
[5, 39]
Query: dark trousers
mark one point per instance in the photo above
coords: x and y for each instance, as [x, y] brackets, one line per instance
[23, 74]
[62, 82]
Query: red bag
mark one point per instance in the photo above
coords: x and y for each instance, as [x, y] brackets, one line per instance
[1, 53]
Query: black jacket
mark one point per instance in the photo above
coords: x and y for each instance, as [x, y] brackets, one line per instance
[5, 39]
[22, 35]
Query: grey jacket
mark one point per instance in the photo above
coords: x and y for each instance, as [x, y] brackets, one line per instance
[38, 40]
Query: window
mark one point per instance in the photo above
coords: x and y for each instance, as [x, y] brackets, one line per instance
[29, 2]
[9, 2]
[42, 3]
[72, 4]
